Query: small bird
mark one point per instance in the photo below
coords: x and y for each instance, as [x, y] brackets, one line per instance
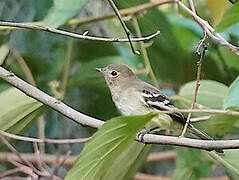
[133, 96]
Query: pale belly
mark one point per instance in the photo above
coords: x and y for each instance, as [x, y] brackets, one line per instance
[132, 105]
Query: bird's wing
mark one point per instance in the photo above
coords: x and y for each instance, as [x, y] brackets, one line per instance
[153, 98]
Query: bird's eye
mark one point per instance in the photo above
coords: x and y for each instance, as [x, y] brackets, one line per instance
[114, 73]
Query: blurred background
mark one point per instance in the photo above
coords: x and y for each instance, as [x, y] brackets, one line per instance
[65, 68]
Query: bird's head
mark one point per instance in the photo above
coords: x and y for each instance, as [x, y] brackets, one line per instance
[116, 74]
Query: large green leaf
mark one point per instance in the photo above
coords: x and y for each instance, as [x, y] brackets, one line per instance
[191, 164]
[210, 94]
[232, 100]
[106, 146]
[231, 17]
[62, 11]
[221, 124]
[16, 110]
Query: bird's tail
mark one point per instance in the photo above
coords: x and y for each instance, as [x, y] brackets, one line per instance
[202, 136]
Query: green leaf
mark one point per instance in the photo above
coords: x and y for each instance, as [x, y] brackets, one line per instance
[210, 94]
[232, 100]
[191, 165]
[219, 124]
[231, 59]
[231, 17]
[62, 11]
[16, 110]
[229, 161]
[128, 162]
[106, 146]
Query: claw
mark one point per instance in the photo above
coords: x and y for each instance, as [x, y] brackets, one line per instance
[142, 133]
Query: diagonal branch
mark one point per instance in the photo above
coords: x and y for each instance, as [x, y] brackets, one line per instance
[74, 35]
[48, 100]
[127, 31]
[90, 121]
[216, 37]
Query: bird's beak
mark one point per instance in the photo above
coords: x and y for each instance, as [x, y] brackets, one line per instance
[99, 70]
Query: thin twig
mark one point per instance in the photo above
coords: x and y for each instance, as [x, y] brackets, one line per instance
[145, 54]
[127, 31]
[74, 35]
[51, 159]
[161, 156]
[49, 141]
[60, 163]
[30, 79]
[209, 29]
[199, 65]
[191, 4]
[11, 148]
[9, 172]
[199, 119]
[123, 12]
[37, 154]
[24, 67]
[27, 170]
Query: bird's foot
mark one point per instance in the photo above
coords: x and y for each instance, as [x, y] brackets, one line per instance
[141, 134]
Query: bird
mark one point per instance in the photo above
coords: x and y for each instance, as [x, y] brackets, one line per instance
[133, 96]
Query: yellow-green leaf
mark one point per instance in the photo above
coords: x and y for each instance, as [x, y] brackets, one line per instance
[231, 17]
[217, 9]
[16, 110]
[4, 50]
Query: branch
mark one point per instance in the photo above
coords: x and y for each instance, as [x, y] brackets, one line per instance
[89, 121]
[209, 29]
[30, 79]
[199, 65]
[123, 12]
[192, 143]
[48, 100]
[51, 159]
[127, 31]
[74, 35]
[49, 141]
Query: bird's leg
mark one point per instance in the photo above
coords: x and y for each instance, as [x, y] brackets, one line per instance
[141, 134]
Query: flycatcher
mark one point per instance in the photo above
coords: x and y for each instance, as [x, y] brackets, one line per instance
[133, 96]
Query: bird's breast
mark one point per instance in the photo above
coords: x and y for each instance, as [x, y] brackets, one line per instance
[128, 103]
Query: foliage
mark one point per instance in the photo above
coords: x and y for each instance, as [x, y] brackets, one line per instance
[106, 147]
[56, 61]
[230, 18]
